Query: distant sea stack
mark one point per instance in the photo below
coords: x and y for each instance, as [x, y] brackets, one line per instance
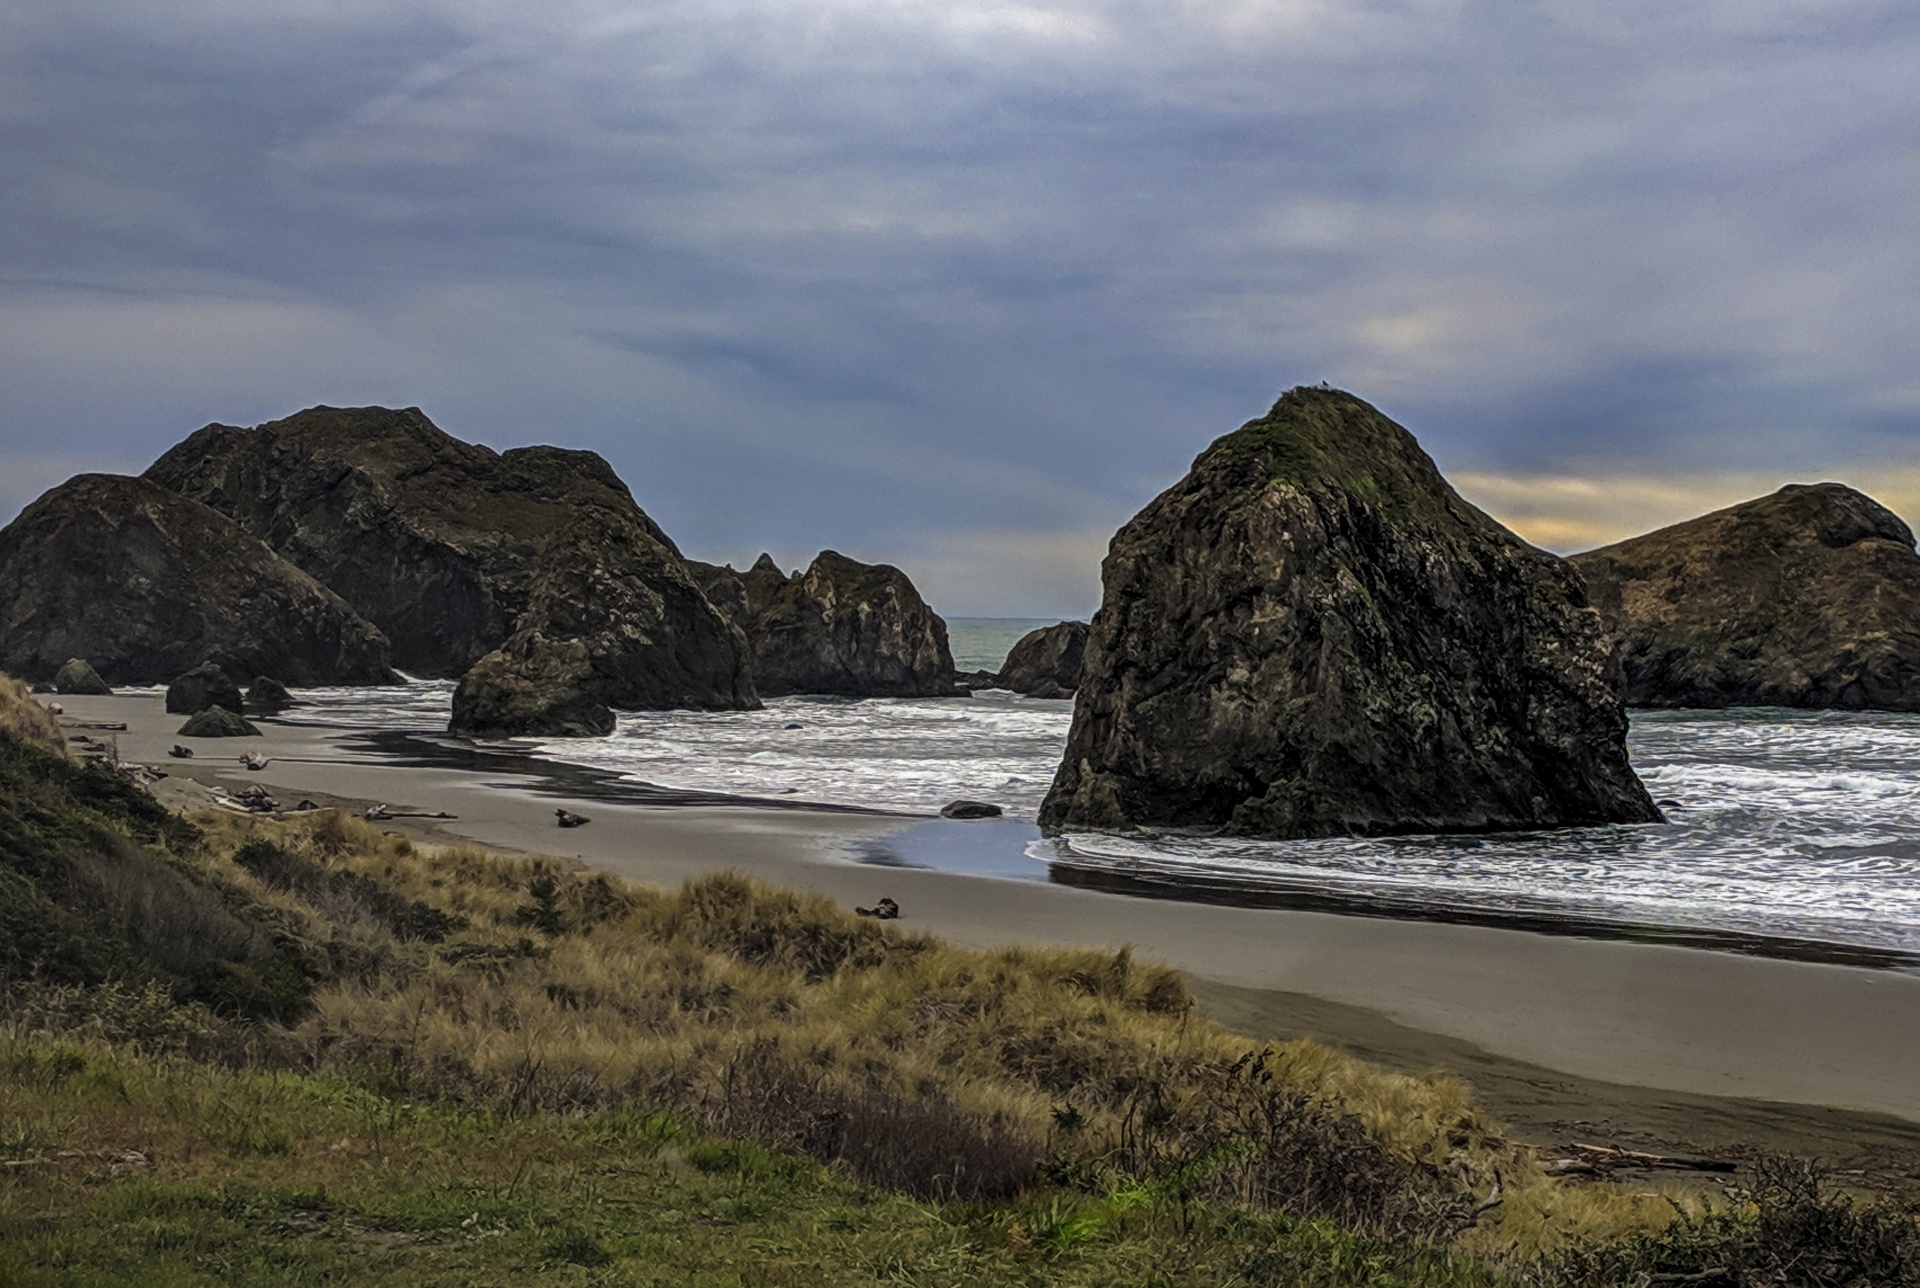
[615, 620]
[434, 540]
[1046, 663]
[145, 584]
[77, 676]
[841, 627]
[1809, 597]
[1312, 634]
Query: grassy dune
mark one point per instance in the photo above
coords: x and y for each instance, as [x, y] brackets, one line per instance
[312, 1052]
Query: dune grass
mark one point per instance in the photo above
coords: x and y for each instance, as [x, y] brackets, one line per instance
[282, 1178]
[500, 1066]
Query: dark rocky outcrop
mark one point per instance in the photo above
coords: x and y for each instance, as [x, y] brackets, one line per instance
[77, 676]
[434, 540]
[1809, 597]
[1312, 634]
[841, 627]
[145, 584]
[1046, 663]
[217, 722]
[267, 695]
[615, 621]
[970, 810]
[202, 688]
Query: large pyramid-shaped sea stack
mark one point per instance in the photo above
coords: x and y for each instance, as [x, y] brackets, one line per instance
[1312, 634]
[1809, 597]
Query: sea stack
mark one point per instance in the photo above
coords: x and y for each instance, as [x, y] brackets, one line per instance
[1312, 634]
[203, 688]
[841, 627]
[1809, 597]
[1046, 663]
[434, 540]
[144, 584]
[77, 676]
[615, 621]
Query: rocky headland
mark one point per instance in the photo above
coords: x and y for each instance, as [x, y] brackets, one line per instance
[1809, 597]
[841, 627]
[310, 549]
[614, 620]
[145, 584]
[1312, 634]
[434, 540]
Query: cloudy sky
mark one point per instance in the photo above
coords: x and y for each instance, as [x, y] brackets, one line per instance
[959, 284]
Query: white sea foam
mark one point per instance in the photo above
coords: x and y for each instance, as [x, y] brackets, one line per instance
[1794, 824]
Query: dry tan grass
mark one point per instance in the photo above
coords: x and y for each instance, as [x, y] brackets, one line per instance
[27, 720]
[569, 990]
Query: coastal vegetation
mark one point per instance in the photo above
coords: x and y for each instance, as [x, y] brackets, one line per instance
[241, 1050]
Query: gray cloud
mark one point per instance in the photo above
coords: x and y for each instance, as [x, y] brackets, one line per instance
[965, 283]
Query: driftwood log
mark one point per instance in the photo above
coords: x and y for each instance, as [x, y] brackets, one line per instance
[1603, 1160]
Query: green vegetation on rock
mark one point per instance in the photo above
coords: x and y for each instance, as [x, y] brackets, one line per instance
[1312, 634]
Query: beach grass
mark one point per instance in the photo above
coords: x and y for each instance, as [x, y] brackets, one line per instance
[280, 1178]
[495, 1066]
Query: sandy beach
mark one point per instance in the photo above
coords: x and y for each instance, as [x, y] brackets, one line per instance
[1564, 1037]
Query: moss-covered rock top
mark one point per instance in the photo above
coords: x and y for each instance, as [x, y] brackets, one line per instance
[1323, 440]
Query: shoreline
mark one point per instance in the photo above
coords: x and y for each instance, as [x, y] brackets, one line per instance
[1647, 1037]
[576, 781]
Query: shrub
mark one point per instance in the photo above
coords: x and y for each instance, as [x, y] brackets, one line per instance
[27, 721]
[1788, 1227]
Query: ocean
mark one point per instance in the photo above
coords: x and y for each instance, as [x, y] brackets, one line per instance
[1786, 831]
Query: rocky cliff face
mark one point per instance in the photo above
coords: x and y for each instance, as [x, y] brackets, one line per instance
[614, 620]
[434, 540]
[1312, 634]
[841, 627]
[1809, 597]
[146, 584]
[1046, 663]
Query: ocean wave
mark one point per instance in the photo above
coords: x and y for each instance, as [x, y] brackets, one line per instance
[1798, 824]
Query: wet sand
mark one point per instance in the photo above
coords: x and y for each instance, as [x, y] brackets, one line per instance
[1564, 1038]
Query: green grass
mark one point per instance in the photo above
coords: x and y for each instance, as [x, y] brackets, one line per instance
[1316, 439]
[288, 1179]
[501, 1069]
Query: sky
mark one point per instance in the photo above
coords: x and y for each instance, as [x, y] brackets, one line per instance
[961, 284]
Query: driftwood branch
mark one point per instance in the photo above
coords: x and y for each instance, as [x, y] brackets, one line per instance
[1493, 1200]
[1612, 1156]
